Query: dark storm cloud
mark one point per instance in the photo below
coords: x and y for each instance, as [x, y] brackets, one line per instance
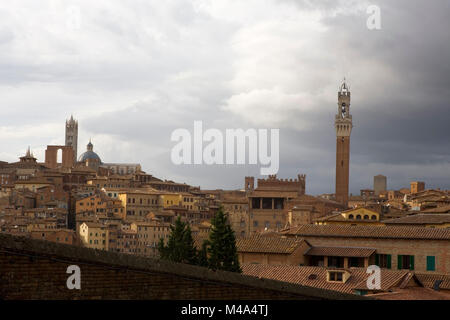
[136, 71]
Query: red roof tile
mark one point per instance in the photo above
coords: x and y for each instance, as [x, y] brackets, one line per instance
[346, 231]
[260, 244]
[317, 276]
[341, 252]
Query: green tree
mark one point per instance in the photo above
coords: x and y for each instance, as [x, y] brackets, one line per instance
[202, 256]
[191, 251]
[222, 245]
[180, 246]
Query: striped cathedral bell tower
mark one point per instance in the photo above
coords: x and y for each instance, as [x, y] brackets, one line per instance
[72, 136]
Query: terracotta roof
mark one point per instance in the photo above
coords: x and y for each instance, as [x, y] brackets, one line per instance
[303, 207]
[235, 200]
[389, 279]
[165, 213]
[167, 183]
[346, 231]
[427, 218]
[405, 190]
[443, 209]
[341, 252]
[268, 244]
[94, 224]
[332, 217]
[139, 191]
[306, 198]
[412, 293]
[428, 193]
[151, 223]
[429, 280]
[52, 230]
[317, 276]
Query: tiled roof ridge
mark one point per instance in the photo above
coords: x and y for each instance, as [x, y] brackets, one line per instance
[394, 232]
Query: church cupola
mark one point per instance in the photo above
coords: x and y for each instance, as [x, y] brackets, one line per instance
[90, 146]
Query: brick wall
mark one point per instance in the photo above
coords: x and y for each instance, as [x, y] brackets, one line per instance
[35, 269]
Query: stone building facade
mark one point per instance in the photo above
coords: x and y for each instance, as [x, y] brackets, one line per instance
[268, 202]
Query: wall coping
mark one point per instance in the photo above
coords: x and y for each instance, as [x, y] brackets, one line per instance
[74, 254]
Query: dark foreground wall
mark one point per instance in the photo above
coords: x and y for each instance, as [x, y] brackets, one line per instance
[35, 269]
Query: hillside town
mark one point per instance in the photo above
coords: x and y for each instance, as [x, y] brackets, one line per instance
[282, 232]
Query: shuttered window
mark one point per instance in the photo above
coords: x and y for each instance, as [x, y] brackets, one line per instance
[431, 263]
[383, 260]
[405, 262]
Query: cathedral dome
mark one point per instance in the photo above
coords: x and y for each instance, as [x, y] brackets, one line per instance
[89, 154]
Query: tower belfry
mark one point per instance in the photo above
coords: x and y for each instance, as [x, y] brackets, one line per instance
[343, 125]
[72, 136]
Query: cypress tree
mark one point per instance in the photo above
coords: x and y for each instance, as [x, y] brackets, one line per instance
[202, 258]
[222, 250]
[190, 253]
[180, 246]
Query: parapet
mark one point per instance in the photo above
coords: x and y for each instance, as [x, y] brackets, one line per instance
[274, 183]
[37, 269]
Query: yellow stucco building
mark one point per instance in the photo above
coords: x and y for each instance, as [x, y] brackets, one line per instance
[357, 216]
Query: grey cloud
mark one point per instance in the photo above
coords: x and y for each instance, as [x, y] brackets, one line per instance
[137, 71]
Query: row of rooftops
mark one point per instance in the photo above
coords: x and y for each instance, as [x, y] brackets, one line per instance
[293, 239]
[282, 245]
[421, 219]
[143, 190]
[346, 231]
[395, 284]
[407, 218]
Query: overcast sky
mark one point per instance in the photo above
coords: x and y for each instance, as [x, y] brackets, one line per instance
[133, 71]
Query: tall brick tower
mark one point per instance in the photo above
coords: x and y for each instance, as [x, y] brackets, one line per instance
[72, 136]
[343, 125]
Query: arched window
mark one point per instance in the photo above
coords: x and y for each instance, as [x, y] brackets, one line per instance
[358, 217]
[351, 217]
[366, 217]
[374, 217]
